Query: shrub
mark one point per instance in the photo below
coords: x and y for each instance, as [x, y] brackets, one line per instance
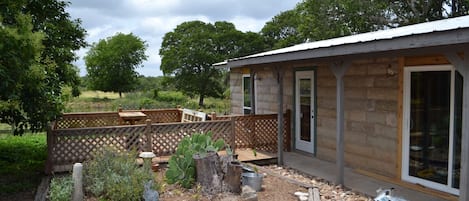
[181, 164]
[115, 176]
[61, 188]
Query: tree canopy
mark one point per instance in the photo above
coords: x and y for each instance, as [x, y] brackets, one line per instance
[313, 20]
[188, 52]
[111, 63]
[38, 40]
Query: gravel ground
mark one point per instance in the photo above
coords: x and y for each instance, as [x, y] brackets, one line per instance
[279, 184]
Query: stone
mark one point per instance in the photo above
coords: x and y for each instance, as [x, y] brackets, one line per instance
[77, 177]
[248, 193]
[303, 198]
[149, 194]
[300, 194]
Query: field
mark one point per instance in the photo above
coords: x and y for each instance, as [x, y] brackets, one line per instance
[93, 101]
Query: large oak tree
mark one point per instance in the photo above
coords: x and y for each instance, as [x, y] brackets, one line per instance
[111, 63]
[188, 52]
[36, 54]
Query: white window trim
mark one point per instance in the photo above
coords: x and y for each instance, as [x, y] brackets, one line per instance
[406, 135]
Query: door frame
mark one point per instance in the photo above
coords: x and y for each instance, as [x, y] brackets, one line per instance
[314, 98]
[406, 127]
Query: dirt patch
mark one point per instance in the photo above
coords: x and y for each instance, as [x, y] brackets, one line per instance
[279, 184]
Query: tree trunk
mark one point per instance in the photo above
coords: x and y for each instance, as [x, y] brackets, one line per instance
[208, 172]
[120, 94]
[233, 177]
[201, 100]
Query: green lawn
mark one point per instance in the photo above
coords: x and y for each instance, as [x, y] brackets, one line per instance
[22, 160]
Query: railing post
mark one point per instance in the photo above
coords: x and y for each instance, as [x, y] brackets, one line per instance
[50, 144]
[149, 144]
[213, 116]
[233, 135]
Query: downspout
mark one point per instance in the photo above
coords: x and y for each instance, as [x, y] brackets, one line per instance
[339, 69]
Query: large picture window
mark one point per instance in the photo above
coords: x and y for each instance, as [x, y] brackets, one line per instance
[432, 127]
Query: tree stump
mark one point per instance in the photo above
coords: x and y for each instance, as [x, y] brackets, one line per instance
[208, 172]
[233, 177]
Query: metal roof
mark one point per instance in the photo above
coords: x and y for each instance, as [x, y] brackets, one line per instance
[388, 36]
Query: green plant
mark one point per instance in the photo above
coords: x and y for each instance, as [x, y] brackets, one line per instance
[61, 188]
[22, 161]
[181, 164]
[115, 176]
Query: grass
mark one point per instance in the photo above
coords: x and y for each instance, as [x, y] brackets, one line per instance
[22, 160]
[95, 101]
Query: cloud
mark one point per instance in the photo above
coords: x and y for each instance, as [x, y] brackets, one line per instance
[151, 19]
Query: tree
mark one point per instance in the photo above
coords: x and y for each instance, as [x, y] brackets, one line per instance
[111, 63]
[408, 12]
[324, 19]
[188, 52]
[38, 40]
[282, 30]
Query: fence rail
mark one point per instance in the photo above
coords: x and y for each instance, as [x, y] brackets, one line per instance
[77, 136]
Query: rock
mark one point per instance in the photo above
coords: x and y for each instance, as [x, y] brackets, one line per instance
[300, 194]
[149, 194]
[248, 193]
[303, 198]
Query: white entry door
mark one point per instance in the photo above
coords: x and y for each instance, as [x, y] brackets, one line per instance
[305, 114]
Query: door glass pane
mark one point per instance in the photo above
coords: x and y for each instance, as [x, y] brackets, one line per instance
[458, 86]
[305, 107]
[429, 125]
[247, 95]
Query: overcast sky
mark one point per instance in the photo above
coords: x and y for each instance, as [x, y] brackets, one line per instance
[151, 19]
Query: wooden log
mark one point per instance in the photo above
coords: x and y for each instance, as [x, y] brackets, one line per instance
[208, 172]
[233, 177]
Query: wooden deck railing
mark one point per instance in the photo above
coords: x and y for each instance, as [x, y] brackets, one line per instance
[100, 119]
[72, 145]
[75, 137]
[259, 131]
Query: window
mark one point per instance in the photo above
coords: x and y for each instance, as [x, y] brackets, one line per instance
[432, 127]
[246, 94]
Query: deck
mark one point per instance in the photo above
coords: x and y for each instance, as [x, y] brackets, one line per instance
[244, 155]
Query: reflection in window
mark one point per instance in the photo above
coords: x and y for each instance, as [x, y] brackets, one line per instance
[246, 94]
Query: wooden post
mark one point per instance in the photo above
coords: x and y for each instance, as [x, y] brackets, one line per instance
[149, 145]
[339, 69]
[280, 75]
[233, 176]
[233, 135]
[288, 130]
[50, 147]
[462, 65]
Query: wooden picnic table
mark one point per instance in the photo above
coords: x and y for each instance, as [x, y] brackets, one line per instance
[132, 117]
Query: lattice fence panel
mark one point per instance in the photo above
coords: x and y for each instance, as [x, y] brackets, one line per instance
[85, 120]
[77, 145]
[259, 131]
[166, 137]
[163, 116]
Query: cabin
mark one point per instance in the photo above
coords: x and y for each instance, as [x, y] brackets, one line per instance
[392, 103]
